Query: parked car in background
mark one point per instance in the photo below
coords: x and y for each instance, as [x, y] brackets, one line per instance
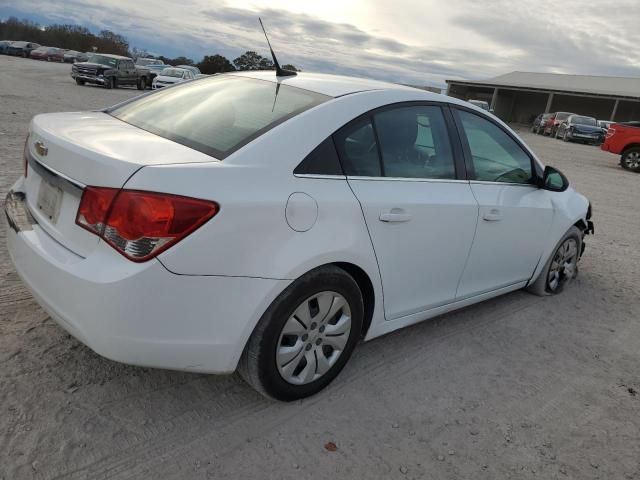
[368, 217]
[604, 125]
[480, 104]
[154, 65]
[540, 121]
[4, 46]
[624, 139]
[551, 127]
[146, 61]
[580, 128]
[50, 54]
[195, 70]
[170, 76]
[21, 49]
[72, 56]
[110, 71]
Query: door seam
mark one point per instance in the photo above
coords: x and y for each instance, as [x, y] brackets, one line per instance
[473, 240]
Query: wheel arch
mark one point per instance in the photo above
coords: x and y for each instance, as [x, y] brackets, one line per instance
[629, 147]
[366, 288]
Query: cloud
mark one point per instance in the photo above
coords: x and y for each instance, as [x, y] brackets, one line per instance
[407, 41]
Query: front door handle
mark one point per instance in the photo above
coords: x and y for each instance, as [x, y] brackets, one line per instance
[395, 215]
[493, 215]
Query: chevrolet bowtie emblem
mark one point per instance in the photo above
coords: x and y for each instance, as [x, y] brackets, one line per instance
[41, 149]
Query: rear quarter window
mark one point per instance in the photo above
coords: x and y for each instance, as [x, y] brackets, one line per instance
[219, 115]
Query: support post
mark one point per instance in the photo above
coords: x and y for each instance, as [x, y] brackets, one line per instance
[547, 109]
[494, 99]
[615, 110]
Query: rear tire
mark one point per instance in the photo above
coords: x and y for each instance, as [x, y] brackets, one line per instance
[630, 159]
[561, 267]
[142, 83]
[294, 325]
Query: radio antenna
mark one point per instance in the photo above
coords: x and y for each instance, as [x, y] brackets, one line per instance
[280, 72]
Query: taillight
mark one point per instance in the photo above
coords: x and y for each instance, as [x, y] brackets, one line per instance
[141, 224]
[611, 132]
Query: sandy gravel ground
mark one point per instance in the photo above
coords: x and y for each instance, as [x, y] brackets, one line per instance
[517, 387]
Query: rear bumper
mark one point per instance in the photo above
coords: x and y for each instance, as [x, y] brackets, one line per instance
[141, 314]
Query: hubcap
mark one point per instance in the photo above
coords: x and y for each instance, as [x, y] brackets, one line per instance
[563, 265]
[632, 159]
[313, 338]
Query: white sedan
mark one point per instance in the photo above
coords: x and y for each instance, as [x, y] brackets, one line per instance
[268, 224]
[170, 76]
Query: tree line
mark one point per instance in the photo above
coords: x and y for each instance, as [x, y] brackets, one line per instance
[75, 37]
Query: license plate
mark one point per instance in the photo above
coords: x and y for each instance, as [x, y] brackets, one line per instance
[49, 200]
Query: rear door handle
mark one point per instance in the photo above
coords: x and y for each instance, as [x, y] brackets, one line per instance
[493, 215]
[395, 215]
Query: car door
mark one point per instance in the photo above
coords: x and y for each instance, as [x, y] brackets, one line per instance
[124, 77]
[407, 174]
[515, 215]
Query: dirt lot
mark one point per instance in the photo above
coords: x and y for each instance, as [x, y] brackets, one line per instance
[516, 387]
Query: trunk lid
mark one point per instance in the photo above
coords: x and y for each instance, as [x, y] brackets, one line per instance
[68, 151]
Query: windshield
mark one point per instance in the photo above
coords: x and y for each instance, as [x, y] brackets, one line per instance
[562, 116]
[217, 115]
[172, 72]
[149, 61]
[193, 70]
[102, 60]
[578, 120]
[480, 103]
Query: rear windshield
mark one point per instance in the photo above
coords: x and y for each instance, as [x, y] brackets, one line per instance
[578, 120]
[217, 115]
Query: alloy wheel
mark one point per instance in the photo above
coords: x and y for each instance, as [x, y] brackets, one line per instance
[632, 160]
[313, 338]
[564, 265]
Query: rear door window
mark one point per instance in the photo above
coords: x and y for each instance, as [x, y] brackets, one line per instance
[414, 143]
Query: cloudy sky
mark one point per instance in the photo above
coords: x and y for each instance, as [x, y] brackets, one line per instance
[410, 41]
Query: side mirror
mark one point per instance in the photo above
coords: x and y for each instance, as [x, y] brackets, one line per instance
[554, 180]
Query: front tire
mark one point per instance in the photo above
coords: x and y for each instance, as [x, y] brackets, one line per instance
[79, 82]
[630, 159]
[305, 337]
[142, 83]
[561, 267]
[109, 83]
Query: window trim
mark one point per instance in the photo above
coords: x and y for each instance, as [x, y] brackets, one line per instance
[470, 169]
[455, 143]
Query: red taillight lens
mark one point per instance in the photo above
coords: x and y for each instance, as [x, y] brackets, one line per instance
[611, 132]
[141, 224]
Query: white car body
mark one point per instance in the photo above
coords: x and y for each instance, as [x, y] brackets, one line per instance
[195, 305]
[165, 80]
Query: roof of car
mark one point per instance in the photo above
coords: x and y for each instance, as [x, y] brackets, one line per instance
[110, 55]
[331, 85]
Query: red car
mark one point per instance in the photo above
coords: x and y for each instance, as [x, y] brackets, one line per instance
[50, 54]
[624, 139]
[551, 127]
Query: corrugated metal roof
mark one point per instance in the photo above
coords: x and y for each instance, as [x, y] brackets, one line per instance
[614, 86]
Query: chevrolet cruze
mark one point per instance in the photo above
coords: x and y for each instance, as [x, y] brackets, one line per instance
[267, 224]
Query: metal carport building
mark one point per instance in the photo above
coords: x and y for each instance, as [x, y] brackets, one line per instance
[519, 96]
